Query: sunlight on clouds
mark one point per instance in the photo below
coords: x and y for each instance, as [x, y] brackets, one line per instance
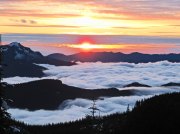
[87, 21]
[91, 17]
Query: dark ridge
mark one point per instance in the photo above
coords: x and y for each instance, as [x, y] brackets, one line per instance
[116, 57]
[58, 56]
[171, 84]
[159, 114]
[136, 84]
[20, 61]
[49, 94]
[23, 69]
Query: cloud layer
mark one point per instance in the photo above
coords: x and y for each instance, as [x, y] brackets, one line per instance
[106, 75]
[100, 75]
[74, 109]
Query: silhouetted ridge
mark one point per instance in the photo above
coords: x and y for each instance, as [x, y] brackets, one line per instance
[117, 57]
[171, 84]
[136, 84]
[49, 94]
[20, 61]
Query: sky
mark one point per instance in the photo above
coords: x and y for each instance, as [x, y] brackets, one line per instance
[94, 17]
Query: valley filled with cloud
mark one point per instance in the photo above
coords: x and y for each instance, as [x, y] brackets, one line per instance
[100, 75]
[106, 75]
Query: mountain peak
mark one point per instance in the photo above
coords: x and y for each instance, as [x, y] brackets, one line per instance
[16, 44]
[17, 51]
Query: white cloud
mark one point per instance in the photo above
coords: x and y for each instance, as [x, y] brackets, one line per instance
[18, 80]
[100, 75]
[74, 109]
[104, 75]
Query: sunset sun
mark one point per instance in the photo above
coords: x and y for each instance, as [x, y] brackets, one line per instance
[86, 46]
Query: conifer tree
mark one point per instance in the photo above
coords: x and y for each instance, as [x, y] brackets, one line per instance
[94, 109]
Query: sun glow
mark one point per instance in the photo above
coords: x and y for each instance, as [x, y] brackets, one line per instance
[87, 46]
[91, 22]
[86, 21]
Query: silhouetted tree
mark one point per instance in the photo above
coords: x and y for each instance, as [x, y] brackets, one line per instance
[128, 109]
[94, 109]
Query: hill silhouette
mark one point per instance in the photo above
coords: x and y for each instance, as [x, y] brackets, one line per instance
[136, 84]
[116, 57]
[171, 84]
[49, 94]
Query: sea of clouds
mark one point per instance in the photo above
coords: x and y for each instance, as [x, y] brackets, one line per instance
[105, 75]
[100, 75]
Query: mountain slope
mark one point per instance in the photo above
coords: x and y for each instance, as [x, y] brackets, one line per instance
[20, 61]
[22, 69]
[159, 114]
[117, 57]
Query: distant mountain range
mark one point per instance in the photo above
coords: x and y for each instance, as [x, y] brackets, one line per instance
[116, 57]
[19, 61]
[22, 61]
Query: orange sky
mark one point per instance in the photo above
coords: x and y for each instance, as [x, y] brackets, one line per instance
[145, 18]
[69, 44]
[119, 17]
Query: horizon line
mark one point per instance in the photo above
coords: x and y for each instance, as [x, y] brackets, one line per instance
[76, 34]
